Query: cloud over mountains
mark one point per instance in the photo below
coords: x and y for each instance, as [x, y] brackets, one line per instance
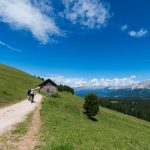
[95, 82]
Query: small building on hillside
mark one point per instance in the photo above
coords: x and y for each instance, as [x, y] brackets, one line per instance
[48, 87]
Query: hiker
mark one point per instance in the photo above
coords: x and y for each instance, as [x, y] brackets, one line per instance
[28, 92]
[31, 93]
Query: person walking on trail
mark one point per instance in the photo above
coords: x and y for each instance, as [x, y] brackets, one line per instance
[31, 93]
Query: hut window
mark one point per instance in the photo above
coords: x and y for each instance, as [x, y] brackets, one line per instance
[48, 91]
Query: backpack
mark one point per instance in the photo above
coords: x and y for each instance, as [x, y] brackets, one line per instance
[28, 92]
[32, 92]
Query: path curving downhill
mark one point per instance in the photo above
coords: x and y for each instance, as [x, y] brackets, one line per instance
[16, 113]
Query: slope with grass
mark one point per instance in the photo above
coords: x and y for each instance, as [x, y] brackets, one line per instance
[14, 84]
[65, 127]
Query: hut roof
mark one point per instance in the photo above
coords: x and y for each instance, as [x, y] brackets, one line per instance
[46, 82]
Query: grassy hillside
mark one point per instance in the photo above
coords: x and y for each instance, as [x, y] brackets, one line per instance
[65, 127]
[14, 84]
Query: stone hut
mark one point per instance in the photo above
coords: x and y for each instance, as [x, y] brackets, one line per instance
[48, 87]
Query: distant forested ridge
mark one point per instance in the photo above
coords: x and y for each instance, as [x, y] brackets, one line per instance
[65, 88]
[130, 93]
[136, 107]
[107, 92]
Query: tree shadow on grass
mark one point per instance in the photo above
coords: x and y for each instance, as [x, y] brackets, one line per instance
[93, 119]
[90, 117]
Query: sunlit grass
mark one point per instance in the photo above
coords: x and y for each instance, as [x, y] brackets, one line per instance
[14, 84]
[65, 127]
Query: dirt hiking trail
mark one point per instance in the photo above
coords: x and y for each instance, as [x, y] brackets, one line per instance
[31, 139]
[16, 113]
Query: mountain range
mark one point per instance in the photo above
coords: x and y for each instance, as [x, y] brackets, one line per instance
[141, 90]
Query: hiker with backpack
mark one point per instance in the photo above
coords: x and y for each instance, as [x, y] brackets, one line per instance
[31, 93]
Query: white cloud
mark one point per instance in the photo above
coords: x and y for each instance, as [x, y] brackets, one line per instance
[124, 27]
[73, 82]
[138, 34]
[10, 47]
[23, 14]
[87, 13]
[39, 16]
[43, 5]
[95, 83]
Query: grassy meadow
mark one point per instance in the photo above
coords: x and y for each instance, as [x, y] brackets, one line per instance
[14, 84]
[65, 127]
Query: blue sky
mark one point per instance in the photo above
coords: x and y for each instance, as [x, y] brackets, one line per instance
[72, 39]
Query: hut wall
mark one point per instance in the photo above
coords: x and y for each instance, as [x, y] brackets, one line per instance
[48, 89]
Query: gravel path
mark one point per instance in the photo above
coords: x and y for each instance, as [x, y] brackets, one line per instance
[16, 113]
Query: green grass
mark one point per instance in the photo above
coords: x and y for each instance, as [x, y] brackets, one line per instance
[14, 84]
[22, 127]
[65, 127]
